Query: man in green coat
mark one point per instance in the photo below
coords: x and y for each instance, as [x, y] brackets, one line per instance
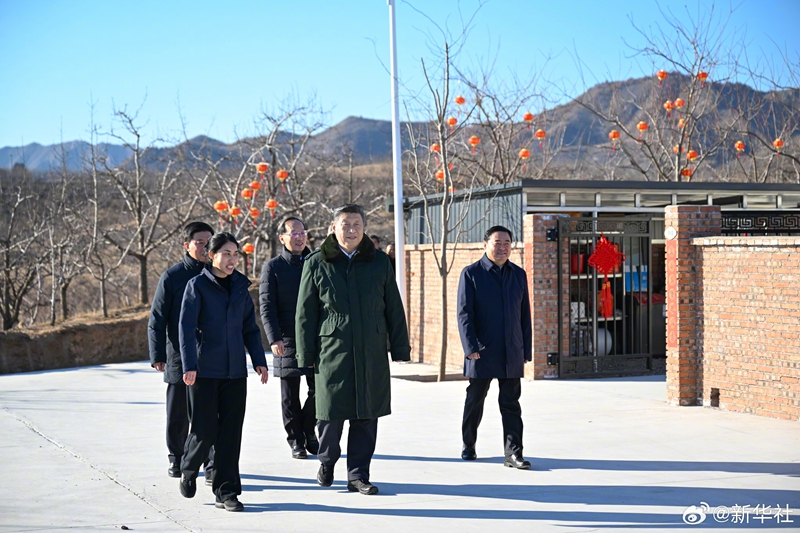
[348, 304]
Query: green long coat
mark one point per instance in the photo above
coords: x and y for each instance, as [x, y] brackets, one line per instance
[345, 309]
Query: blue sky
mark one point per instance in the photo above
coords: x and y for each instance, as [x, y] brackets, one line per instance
[224, 61]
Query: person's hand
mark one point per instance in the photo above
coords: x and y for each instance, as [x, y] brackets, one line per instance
[277, 348]
[474, 355]
[159, 366]
[262, 371]
[190, 377]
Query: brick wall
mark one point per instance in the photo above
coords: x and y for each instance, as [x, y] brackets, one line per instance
[751, 324]
[424, 299]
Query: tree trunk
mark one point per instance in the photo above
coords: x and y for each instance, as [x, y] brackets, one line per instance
[103, 303]
[143, 297]
[443, 353]
[64, 306]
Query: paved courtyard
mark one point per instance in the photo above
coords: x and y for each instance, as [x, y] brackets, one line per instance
[83, 450]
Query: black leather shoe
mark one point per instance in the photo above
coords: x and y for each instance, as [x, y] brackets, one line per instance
[298, 452]
[515, 460]
[312, 445]
[325, 476]
[232, 504]
[364, 487]
[174, 469]
[468, 453]
[188, 487]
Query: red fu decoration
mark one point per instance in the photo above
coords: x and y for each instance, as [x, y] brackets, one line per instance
[605, 259]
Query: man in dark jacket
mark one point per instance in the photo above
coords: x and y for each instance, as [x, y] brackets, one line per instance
[277, 294]
[494, 321]
[348, 303]
[162, 333]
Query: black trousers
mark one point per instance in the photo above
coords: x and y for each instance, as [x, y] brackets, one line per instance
[361, 440]
[299, 418]
[217, 415]
[178, 425]
[510, 412]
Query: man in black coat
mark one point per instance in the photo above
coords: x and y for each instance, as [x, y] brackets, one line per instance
[494, 321]
[280, 283]
[165, 351]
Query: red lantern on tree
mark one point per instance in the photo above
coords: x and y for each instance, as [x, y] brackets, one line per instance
[691, 155]
[247, 193]
[235, 212]
[679, 103]
[474, 141]
[524, 154]
[540, 134]
[220, 206]
[669, 106]
[256, 186]
[702, 76]
[528, 117]
[452, 121]
[606, 258]
[248, 248]
[778, 144]
[282, 175]
[661, 75]
[687, 173]
[440, 175]
[435, 148]
[460, 100]
[272, 205]
[681, 123]
[613, 135]
[677, 148]
[739, 145]
[642, 127]
[262, 168]
[254, 214]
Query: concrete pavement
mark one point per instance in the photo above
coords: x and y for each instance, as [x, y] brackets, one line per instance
[83, 450]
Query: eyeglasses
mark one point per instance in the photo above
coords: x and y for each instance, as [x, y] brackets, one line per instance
[297, 234]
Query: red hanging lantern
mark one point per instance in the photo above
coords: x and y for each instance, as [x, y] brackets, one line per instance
[255, 185]
[272, 205]
[677, 148]
[661, 75]
[681, 123]
[691, 155]
[687, 173]
[460, 100]
[540, 134]
[679, 103]
[248, 248]
[262, 168]
[524, 154]
[452, 121]
[474, 141]
[235, 212]
[606, 258]
[247, 193]
[220, 206]
[778, 144]
[642, 127]
[739, 145]
[528, 117]
[669, 106]
[451, 189]
[435, 148]
[702, 76]
[613, 135]
[282, 175]
[439, 175]
[254, 214]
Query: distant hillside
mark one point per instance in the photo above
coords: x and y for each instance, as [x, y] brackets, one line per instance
[371, 140]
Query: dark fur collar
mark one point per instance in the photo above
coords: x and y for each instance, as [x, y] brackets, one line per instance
[331, 252]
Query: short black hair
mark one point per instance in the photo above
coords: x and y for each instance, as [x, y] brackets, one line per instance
[495, 229]
[282, 225]
[219, 240]
[375, 238]
[195, 227]
[350, 208]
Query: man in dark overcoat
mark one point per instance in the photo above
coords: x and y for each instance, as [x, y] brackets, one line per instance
[348, 306]
[280, 283]
[165, 350]
[494, 321]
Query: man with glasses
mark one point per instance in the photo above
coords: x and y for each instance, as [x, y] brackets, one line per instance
[494, 321]
[280, 283]
[348, 303]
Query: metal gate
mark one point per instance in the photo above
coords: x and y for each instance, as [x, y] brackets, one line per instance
[621, 342]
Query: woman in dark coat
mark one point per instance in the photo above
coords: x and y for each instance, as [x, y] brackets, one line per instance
[217, 323]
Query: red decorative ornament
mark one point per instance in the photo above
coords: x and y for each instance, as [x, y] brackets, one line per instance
[677, 148]
[235, 212]
[524, 154]
[254, 214]
[460, 100]
[272, 205]
[282, 175]
[739, 145]
[474, 141]
[440, 175]
[255, 185]
[691, 155]
[247, 193]
[702, 76]
[687, 173]
[679, 103]
[668, 107]
[262, 168]
[528, 117]
[220, 206]
[613, 135]
[661, 75]
[778, 144]
[606, 258]
[642, 127]
[452, 121]
[436, 148]
[248, 248]
[540, 134]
